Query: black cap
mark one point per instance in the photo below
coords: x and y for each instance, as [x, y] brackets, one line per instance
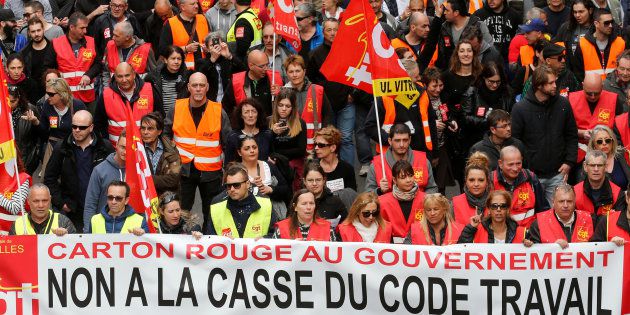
[552, 50]
[6, 15]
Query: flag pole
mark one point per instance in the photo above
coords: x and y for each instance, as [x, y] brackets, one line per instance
[273, 65]
[380, 141]
[15, 166]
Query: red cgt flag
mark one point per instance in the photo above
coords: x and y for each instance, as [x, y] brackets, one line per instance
[142, 197]
[364, 58]
[285, 24]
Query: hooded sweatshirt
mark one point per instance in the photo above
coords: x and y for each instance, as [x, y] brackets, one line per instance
[96, 196]
[113, 225]
[502, 25]
[221, 20]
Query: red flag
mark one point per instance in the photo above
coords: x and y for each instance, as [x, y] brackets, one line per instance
[142, 197]
[364, 58]
[285, 24]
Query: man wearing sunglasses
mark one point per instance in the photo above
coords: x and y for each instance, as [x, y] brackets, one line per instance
[597, 52]
[597, 195]
[118, 216]
[241, 214]
[71, 164]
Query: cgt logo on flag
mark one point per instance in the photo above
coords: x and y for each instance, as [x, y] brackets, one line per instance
[19, 280]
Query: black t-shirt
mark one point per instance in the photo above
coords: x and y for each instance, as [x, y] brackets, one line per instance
[342, 174]
[405, 206]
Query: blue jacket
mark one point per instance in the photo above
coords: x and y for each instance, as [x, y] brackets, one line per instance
[19, 43]
[316, 41]
[96, 195]
[114, 225]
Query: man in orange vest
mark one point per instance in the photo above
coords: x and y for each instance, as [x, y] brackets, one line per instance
[125, 46]
[591, 107]
[399, 140]
[421, 40]
[186, 30]
[597, 195]
[597, 52]
[110, 119]
[198, 127]
[78, 60]
[562, 224]
[528, 195]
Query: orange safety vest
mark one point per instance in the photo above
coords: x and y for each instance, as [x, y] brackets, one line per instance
[418, 238]
[612, 229]
[527, 54]
[349, 233]
[115, 109]
[9, 187]
[318, 231]
[462, 210]
[181, 38]
[397, 43]
[419, 164]
[238, 84]
[137, 58]
[200, 145]
[523, 200]
[205, 5]
[584, 203]
[390, 118]
[604, 114]
[593, 60]
[73, 68]
[307, 114]
[392, 213]
[551, 231]
[481, 237]
[474, 6]
[621, 122]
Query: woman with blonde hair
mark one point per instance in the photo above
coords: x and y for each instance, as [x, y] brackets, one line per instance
[364, 222]
[437, 226]
[476, 188]
[497, 227]
[617, 169]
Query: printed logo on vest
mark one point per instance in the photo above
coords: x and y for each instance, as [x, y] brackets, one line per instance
[309, 106]
[419, 213]
[606, 209]
[256, 228]
[205, 4]
[582, 234]
[136, 60]
[226, 232]
[87, 55]
[142, 103]
[417, 174]
[603, 116]
[523, 196]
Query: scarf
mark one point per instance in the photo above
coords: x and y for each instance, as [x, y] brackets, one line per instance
[16, 82]
[406, 196]
[491, 98]
[368, 234]
[478, 202]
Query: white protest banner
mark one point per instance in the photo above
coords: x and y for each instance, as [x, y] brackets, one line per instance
[162, 274]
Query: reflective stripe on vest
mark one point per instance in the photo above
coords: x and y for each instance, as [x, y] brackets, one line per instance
[474, 6]
[349, 233]
[390, 118]
[584, 203]
[523, 200]
[593, 59]
[137, 58]
[257, 223]
[318, 231]
[307, 113]
[53, 223]
[181, 37]
[392, 213]
[419, 163]
[73, 68]
[115, 109]
[419, 238]
[131, 222]
[200, 145]
[254, 22]
[551, 231]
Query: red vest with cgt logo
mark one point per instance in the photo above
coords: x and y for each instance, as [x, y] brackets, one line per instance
[604, 113]
[584, 203]
[419, 164]
[137, 59]
[115, 109]
[551, 231]
[392, 213]
[523, 201]
[73, 68]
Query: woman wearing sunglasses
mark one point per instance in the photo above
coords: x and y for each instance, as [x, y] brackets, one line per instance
[364, 222]
[303, 222]
[477, 185]
[437, 226]
[174, 220]
[617, 169]
[497, 227]
[339, 174]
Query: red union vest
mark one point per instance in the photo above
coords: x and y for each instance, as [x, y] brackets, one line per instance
[621, 122]
[137, 58]
[612, 229]
[551, 231]
[418, 237]
[604, 114]
[319, 230]
[350, 234]
[419, 164]
[392, 213]
[6, 217]
[73, 68]
[462, 210]
[238, 84]
[481, 237]
[181, 37]
[115, 109]
[583, 203]
[523, 201]
[591, 55]
[307, 114]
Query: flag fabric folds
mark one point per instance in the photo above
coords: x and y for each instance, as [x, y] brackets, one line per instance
[285, 24]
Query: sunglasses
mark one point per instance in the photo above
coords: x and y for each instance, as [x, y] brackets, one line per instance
[497, 206]
[321, 145]
[368, 214]
[298, 18]
[227, 186]
[601, 141]
[168, 199]
[117, 198]
[51, 94]
[75, 127]
[608, 23]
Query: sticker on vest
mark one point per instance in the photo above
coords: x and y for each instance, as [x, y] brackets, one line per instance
[142, 103]
[53, 121]
[481, 111]
[106, 33]
[605, 210]
[240, 32]
[564, 92]
[603, 116]
[582, 234]
[335, 184]
[447, 41]
[410, 125]
[227, 232]
[87, 55]
[136, 60]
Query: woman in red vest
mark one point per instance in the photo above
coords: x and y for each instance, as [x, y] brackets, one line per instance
[437, 226]
[364, 222]
[477, 185]
[303, 222]
[497, 227]
[617, 169]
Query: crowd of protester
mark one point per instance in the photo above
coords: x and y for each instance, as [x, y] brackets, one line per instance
[523, 107]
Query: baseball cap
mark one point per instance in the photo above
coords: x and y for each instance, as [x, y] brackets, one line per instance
[533, 25]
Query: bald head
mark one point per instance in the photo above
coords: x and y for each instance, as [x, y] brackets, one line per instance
[258, 64]
[419, 25]
[163, 9]
[592, 87]
[125, 77]
[82, 118]
[198, 87]
[509, 151]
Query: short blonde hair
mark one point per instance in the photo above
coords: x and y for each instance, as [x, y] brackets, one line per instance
[442, 202]
[615, 149]
[62, 88]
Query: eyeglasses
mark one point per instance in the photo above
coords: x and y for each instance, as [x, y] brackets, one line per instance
[497, 206]
[602, 141]
[75, 127]
[608, 23]
[493, 82]
[117, 198]
[228, 186]
[315, 180]
[592, 93]
[321, 145]
[300, 18]
[367, 214]
[51, 94]
[116, 6]
[593, 165]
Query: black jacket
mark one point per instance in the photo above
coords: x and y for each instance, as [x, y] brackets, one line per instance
[468, 233]
[477, 107]
[102, 29]
[27, 138]
[548, 131]
[492, 152]
[207, 67]
[61, 172]
[601, 230]
[49, 62]
[502, 25]
[330, 206]
[155, 78]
